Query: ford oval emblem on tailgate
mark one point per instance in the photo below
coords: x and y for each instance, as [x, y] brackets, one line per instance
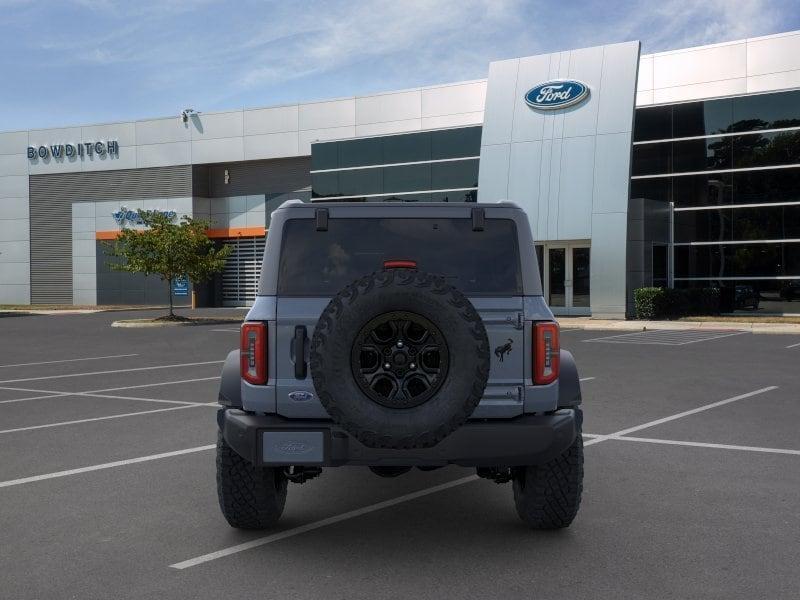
[289, 447]
[556, 94]
[301, 396]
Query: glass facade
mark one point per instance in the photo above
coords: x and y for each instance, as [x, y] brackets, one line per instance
[414, 167]
[731, 168]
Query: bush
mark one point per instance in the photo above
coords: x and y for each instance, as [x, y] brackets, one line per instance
[648, 302]
[704, 301]
[667, 303]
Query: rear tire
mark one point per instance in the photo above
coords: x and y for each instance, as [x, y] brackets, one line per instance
[250, 497]
[548, 496]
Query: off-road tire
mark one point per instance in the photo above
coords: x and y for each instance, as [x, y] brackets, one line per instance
[250, 497]
[548, 496]
[424, 294]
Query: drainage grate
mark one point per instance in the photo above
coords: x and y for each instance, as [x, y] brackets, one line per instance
[668, 337]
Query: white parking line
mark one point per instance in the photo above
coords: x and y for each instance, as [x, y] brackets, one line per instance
[380, 505]
[685, 413]
[792, 346]
[321, 523]
[144, 385]
[140, 399]
[593, 439]
[56, 393]
[668, 337]
[43, 397]
[706, 445]
[110, 465]
[93, 419]
[718, 337]
[586, 378]
[195, 364]
[52, 362]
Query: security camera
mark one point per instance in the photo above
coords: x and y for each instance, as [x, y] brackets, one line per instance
[185, 113]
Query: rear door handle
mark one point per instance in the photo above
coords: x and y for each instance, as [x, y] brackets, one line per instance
[300, 352]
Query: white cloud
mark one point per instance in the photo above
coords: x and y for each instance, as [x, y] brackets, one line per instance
[157, 55]
[675, 24]
[443, 35]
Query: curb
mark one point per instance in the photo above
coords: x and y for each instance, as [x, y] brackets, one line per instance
[147, 324]
[613, 325]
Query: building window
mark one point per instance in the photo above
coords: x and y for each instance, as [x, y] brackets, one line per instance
[439, 166]
[731, 169]
[660, 265]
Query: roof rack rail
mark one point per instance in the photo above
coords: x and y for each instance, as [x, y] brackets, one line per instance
[333, 199]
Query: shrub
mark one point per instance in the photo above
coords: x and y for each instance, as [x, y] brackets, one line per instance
[667, 303]
[648, 302]
[704, 301]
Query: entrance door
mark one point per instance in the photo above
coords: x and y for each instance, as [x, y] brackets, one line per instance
[566, 269]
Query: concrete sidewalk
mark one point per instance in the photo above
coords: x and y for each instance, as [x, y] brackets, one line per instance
[621, 325]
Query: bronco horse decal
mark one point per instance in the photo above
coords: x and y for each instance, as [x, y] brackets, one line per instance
[501, 351]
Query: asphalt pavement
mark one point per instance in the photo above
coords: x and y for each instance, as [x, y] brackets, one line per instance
[107, 480]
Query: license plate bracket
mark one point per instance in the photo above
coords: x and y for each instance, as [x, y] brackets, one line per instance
[293, 447]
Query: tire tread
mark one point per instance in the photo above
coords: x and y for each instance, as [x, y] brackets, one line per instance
[548, 496]
[250, 497]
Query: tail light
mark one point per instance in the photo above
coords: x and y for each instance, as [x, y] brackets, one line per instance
[546, 352]
[400, 264]
[253, 350]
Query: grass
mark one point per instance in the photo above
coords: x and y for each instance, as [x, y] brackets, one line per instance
[177, 320]
[744, 319]
[82, 307]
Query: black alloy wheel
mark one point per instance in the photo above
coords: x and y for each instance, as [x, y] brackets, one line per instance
[400, 359]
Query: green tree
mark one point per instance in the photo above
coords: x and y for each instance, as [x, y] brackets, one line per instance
[169, 250]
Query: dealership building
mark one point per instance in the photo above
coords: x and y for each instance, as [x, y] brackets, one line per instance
[680, 168]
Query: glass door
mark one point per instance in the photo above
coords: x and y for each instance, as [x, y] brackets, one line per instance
[580, 259]
[567, 276]
[557, 277]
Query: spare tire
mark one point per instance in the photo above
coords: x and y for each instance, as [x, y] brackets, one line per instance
[400, 359]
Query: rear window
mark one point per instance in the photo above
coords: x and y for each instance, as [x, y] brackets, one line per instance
[320, 263]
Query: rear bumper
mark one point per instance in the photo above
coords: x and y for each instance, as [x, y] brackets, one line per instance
[271, 440]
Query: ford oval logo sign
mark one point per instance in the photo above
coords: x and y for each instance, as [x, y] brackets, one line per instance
[556, 94]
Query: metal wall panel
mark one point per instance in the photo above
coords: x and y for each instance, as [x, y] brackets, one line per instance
[554, 163]
[388, 127]
[210, 126]
[120, 287]
[280, 119]
[763, 64]
[259, 177]
[51, 198]
[395, 107]
[271, 145]
[13, 142]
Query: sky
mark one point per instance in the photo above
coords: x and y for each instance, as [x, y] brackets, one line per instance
[73, 62]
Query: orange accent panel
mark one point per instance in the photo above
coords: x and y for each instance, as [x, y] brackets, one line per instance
[212, 233]
[236, 232]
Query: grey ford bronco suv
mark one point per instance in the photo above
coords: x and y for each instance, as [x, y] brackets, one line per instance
[393, 336]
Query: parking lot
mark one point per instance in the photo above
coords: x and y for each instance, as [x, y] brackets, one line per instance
[107, 481]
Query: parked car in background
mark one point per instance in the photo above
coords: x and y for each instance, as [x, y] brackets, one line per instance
[790, 291]
[746, 297]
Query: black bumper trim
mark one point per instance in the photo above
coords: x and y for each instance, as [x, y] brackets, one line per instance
[525, 440]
